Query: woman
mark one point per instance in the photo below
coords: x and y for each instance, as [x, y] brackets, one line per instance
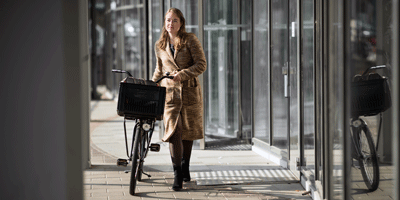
[180, 53]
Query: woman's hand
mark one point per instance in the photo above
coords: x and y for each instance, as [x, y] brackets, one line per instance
[177, 78]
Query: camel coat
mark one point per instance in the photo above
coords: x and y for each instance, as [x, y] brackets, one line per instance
[182, 99]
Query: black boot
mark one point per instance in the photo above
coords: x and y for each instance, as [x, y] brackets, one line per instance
[185, 170]
[177, 179]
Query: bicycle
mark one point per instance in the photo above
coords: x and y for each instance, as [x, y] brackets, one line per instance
[370, 96]
[142, 101]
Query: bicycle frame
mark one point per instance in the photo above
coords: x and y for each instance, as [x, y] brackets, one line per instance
[146, 133]
[144, 127]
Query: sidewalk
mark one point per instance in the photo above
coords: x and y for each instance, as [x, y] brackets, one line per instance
[215, 174]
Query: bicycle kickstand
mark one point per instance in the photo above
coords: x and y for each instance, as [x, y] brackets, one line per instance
[148, 175]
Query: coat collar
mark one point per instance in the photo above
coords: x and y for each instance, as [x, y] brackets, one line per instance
[168, 50]
[172, 57]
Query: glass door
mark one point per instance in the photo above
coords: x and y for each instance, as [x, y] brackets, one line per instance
[284, 81]
[280, 77]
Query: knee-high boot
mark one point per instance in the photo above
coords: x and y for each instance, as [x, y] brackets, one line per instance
[178, 179]
[185, 170]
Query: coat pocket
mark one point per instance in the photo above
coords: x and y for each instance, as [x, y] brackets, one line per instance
[190, 95]
[169, 96]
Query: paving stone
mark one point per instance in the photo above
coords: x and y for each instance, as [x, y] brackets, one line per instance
[163, 195]
[96, 198]
[109, 194]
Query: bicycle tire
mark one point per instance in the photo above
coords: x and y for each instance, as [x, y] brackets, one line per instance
[368, 161]
[142, 147]
[135, 158]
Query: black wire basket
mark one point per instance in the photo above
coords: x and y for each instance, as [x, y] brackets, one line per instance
[370, 97]
[141, 101]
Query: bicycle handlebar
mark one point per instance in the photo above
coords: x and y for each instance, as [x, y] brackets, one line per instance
[121, 71]
[374, 67]
[166, 76]
[130, 75]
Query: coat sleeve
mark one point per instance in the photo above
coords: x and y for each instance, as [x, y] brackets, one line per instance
[199, 60]
[158, 70]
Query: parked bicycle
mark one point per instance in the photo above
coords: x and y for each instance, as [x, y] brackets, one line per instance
[142, 101]
[370, 96]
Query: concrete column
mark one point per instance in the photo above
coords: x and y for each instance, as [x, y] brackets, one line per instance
[44, 99]
[84, 70]
[76, 86]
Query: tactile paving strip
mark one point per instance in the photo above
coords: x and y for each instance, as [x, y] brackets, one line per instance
[244, 176]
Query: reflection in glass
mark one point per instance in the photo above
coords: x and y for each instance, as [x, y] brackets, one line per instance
[133, 22]
[371, 38]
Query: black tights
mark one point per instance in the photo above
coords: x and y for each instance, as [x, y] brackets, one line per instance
[179, 148]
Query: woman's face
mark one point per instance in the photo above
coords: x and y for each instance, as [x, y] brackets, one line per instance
[172, 23]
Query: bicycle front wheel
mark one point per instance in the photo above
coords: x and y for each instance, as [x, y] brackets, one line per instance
[142, 149]
[368, 159]
[135, 161]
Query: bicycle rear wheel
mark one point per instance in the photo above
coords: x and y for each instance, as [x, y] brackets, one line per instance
[135, 160]
[368, 159]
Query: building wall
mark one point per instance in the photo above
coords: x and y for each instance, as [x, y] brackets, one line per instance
[44, 81]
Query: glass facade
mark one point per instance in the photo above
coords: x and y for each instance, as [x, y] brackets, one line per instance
[227, 81]
[278, 78]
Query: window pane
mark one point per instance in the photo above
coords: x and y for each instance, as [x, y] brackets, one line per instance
[279, 66]
[246, 69]
[189, 9]
[221, 77]
[156, 26]
[133, 23]
[261, 71]
[335, 94]
[308, 84]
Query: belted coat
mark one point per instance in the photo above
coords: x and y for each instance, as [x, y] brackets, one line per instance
[184, 98]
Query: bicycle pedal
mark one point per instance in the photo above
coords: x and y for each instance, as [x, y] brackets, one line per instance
[155, 147]
[122, 162]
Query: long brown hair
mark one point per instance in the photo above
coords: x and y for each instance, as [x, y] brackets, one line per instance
[180, 37]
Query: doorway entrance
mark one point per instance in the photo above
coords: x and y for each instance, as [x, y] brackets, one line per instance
[285, 107]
